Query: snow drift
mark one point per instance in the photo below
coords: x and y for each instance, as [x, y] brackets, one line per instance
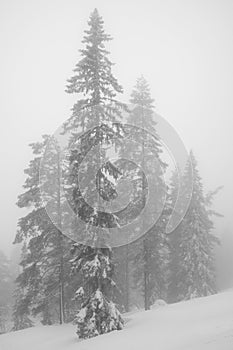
[199, 324]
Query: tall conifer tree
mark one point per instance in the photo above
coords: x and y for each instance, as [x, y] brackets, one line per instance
[97, 109]
[150, 251]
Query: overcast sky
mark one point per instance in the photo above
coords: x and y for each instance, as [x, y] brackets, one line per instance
[183, 48]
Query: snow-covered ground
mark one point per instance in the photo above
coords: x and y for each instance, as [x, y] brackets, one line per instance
[200, 324]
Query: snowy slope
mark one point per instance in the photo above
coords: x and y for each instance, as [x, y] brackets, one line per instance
[200, 324]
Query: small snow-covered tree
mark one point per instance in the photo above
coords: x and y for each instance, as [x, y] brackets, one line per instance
[98, 313]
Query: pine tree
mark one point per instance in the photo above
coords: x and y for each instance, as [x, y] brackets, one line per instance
[94, 79]
[45, 267]
[97, 110]
[150, 251]
[143, 108]
[195, 265]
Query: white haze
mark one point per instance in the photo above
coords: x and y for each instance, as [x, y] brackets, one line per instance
[183, 48]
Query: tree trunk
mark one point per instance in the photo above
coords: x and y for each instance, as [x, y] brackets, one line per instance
[145, 242]
[61, 294]
[127, 279]
[61, 274]
[146, 276]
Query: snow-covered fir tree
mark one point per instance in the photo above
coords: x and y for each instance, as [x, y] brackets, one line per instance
[93, 79]
[45, 267]
[97, 109]
[194, 273]
[150, 251]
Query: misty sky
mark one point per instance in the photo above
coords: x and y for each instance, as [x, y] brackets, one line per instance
[183, 48]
